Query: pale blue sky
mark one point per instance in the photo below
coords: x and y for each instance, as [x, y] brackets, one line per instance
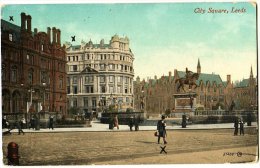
[163, 36]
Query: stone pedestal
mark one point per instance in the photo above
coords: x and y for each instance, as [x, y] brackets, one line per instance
[185, 104]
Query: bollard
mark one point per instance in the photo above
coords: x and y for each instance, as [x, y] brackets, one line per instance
[12, 155]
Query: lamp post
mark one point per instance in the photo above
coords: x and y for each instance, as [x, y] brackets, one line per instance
[31, 90]
[43, 106]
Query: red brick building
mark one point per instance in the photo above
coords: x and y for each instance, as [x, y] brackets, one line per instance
[33, 68]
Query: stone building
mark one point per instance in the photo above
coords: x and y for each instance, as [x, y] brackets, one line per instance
[100, 75]
[33, 68]
[155, 96]
[246, 93]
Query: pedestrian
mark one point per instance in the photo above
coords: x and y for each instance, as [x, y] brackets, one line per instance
[161, 124]
[19, 125]
[51, 122]
[5, 123]
[236, 126]
[136, 122]
[241, 126]
[131, 123]
[23, 123]
[116, 122]
[32, 123]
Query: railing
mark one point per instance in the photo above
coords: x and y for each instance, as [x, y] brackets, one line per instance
[223, 112]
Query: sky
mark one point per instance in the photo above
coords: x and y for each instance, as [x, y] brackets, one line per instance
[163, 36]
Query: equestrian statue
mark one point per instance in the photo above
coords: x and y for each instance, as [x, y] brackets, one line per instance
[189, 79]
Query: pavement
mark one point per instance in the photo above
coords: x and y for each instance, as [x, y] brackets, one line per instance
[96, 126]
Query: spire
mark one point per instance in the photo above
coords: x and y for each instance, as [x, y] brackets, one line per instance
[198, 67]
[251, 72]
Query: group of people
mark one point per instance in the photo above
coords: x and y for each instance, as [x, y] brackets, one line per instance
[239, 123]
[134, 121]
[22, 124]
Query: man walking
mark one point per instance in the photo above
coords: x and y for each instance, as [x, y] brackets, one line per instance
[51, 122]
[236, 127]
[161, 124]
[241, 125]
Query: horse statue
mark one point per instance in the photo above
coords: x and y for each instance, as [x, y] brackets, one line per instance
[189, 80]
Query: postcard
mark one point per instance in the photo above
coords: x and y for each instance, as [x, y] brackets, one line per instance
[129, 83]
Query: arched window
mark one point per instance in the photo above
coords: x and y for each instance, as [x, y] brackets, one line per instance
[14, 74]
[30, 76]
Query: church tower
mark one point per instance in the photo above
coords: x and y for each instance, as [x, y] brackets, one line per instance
[198, 67]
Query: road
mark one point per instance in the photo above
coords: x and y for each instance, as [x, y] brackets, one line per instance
[87, 148]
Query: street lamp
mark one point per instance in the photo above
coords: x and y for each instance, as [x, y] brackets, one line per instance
[31, 90]
[43, 106]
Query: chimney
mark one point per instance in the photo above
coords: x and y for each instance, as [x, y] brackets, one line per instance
[49, 34]
[35, 31]
[175, 73]
[58, 36]
[29, 25]
[170, 76]
[228, 78]
[54, 35]
[23, 20]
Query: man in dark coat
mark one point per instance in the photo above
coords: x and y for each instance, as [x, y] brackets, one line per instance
[51, 122]
[236, 126]
[241, 126]
[161, 124]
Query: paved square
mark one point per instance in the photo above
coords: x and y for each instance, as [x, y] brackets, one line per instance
[85, 148]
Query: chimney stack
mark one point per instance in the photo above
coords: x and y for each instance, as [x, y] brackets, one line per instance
[54, 35]
[49, 34]
[29, 25]
[58, 36]
[228, 78]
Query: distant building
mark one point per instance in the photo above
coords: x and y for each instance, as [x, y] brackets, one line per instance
[33, 68]
[246, 93]
[100, 75]
[155, 96]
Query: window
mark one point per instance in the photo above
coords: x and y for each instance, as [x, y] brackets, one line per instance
[89, 79]
[14, 74]
[112, 66]
[126, 80]
[94, 102]
[30, 77]
[68, 89]
[61, 83]
[75, 89]
[102, 79]
[102, 67]
[111, 89]
[10, 37]
[42, 47]
[111, 79]
[74, 68]
[119, 89]
[89, 89]
[85, 101]
[119, 79]
[103, 88]
[75, 80]
[126, 90]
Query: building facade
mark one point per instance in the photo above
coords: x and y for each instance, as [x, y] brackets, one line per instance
[33, 69]
[155, 96]
[100, 75]
[246, 93]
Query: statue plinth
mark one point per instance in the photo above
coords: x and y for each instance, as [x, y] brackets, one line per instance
[185, 103]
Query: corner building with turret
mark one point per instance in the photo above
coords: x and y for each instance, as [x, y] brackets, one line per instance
[100, 75]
